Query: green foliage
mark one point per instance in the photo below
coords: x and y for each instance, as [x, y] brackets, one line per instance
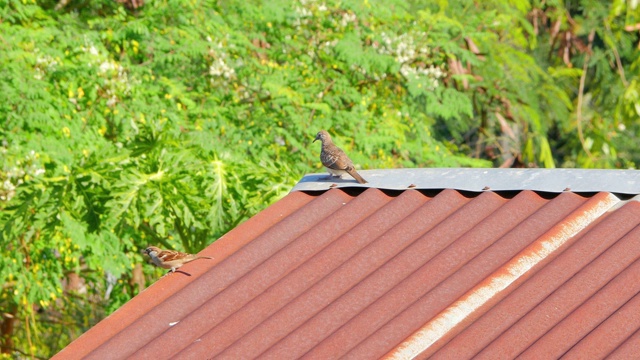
[126, 123]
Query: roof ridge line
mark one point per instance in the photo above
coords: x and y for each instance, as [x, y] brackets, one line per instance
[483, 179]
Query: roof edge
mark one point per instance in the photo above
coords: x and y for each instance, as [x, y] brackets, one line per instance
[481, 179]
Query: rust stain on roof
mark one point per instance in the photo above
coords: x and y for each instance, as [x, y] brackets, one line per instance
[399, 274]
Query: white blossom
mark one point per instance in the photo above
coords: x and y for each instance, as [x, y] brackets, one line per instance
[220, 68]
[347, 18]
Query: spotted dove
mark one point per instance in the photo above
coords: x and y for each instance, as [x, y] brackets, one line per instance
[335, 160]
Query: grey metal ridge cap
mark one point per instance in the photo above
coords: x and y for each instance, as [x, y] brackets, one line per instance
[474, 179]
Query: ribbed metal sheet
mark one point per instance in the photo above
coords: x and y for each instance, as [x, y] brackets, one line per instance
[365, 274]
[473, 179]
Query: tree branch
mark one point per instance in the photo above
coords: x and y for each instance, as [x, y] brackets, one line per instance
[617, 56]
[581, 93]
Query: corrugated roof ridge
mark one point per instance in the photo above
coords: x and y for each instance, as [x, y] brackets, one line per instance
[279, 324]
[589, 315]
[628, 349]
[381, 264]
[565, 299]
[446, 292]
[427, 269]
[536, 289]
[330, 257]
[620, 324]
[176, 307]
[397, 292]
[167, 286]
[527, 259]
[244, 290]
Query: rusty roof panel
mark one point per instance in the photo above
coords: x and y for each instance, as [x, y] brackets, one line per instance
[368, 273]
[253, 284]
[330, 273]
[605, 338]
[386, 275]
[515, 306]
[421, 264]
[629, 349]
[161, 290]
[476, 271]
[589, 315]
[190, 298]
[565, 299]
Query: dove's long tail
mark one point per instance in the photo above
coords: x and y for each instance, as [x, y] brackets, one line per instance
[356, 176]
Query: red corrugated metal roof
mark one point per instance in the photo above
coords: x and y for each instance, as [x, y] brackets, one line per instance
[398, 274]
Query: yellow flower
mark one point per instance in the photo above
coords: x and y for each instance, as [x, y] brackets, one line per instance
[66, 131]
[167, 96]
[80, 93]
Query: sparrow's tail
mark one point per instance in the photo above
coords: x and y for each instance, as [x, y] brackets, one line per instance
[199, 257]
[356, 176]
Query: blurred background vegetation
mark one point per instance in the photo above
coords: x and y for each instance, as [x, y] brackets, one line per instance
[132, 122]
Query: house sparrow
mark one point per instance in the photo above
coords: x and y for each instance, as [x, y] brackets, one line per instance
[169, 259]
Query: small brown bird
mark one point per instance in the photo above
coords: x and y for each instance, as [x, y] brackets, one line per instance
[335, 160]
[169, 259]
